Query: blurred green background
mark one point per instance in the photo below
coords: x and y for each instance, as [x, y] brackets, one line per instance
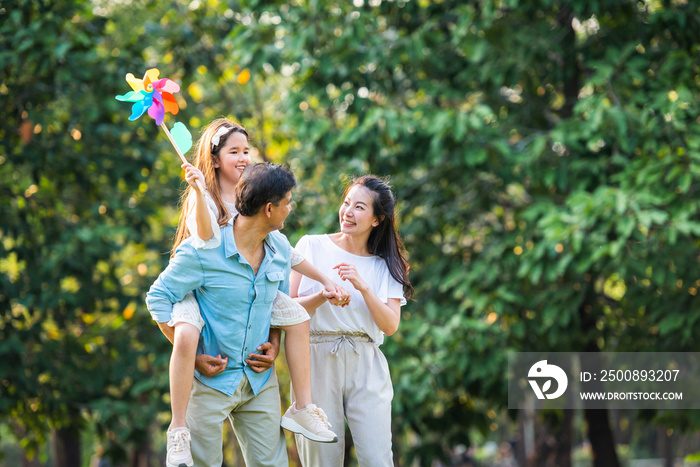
[545, 155]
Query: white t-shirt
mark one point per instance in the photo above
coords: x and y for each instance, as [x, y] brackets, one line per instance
[324, 254]
[191, 223]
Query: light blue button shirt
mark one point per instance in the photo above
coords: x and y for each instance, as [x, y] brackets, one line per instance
[235, 303]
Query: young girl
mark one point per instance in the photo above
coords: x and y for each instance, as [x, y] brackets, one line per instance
[221, 156]
[349, 372]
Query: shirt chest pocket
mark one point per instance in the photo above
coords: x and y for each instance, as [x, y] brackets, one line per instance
[272, 284]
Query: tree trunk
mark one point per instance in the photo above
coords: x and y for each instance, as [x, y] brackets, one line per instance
[601, 437]
[141, 454]
[599, 432]
[668, 449]
[523, 445]
[65, 447]
[562, 455]
[396, 449]
[554, 443]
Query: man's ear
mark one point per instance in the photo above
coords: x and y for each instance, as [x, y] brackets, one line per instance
[268, 210]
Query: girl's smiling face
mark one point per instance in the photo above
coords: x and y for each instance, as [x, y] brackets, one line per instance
[234, 156]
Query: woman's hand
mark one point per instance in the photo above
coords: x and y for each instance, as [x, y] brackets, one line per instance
[335, 294]
[192, 174]
[342, 295]
[385, 314]
[348, 272]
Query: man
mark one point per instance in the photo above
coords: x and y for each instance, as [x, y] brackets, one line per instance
[235, 285]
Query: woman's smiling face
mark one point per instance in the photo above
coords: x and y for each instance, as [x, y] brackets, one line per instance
[356, 212]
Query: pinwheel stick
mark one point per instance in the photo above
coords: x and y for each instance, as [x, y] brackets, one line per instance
[200, 188]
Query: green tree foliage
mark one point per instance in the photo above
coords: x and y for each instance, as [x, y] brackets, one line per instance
[89, 207]
[78, 232]
[544, 158]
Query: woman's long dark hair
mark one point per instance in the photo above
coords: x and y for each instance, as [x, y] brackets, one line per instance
[384, 240]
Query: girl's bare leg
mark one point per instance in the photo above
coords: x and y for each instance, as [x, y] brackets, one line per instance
[297, 350]
[182, 371]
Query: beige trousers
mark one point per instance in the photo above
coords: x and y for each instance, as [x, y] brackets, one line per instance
[255, 421]
[350, 381]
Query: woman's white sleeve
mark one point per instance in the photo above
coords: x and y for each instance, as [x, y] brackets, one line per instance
[395, 289]
[191, 223]
[306, 285]
[296, 257]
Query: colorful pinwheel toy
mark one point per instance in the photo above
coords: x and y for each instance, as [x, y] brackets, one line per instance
[151, 94]
[155, 96]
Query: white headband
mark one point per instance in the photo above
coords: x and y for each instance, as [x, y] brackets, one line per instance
[217, 137]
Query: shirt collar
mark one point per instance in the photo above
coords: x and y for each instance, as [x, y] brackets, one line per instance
[230, 248]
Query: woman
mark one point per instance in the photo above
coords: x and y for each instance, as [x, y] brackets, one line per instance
[349, 374]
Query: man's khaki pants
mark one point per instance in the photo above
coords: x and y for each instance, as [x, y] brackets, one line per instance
[255, 421]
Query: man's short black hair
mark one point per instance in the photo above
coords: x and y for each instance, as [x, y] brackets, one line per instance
[263, 183]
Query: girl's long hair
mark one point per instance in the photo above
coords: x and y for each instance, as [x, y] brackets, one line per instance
[384, 240]
[204, 160]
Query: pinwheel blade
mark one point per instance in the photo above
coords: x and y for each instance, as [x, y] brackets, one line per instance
[170, 103]
[132, 96]
[182, 137]
[141, 106]
[137, 110]
[151, 76]
[135, 83]
[167, 85]
[157, 111]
